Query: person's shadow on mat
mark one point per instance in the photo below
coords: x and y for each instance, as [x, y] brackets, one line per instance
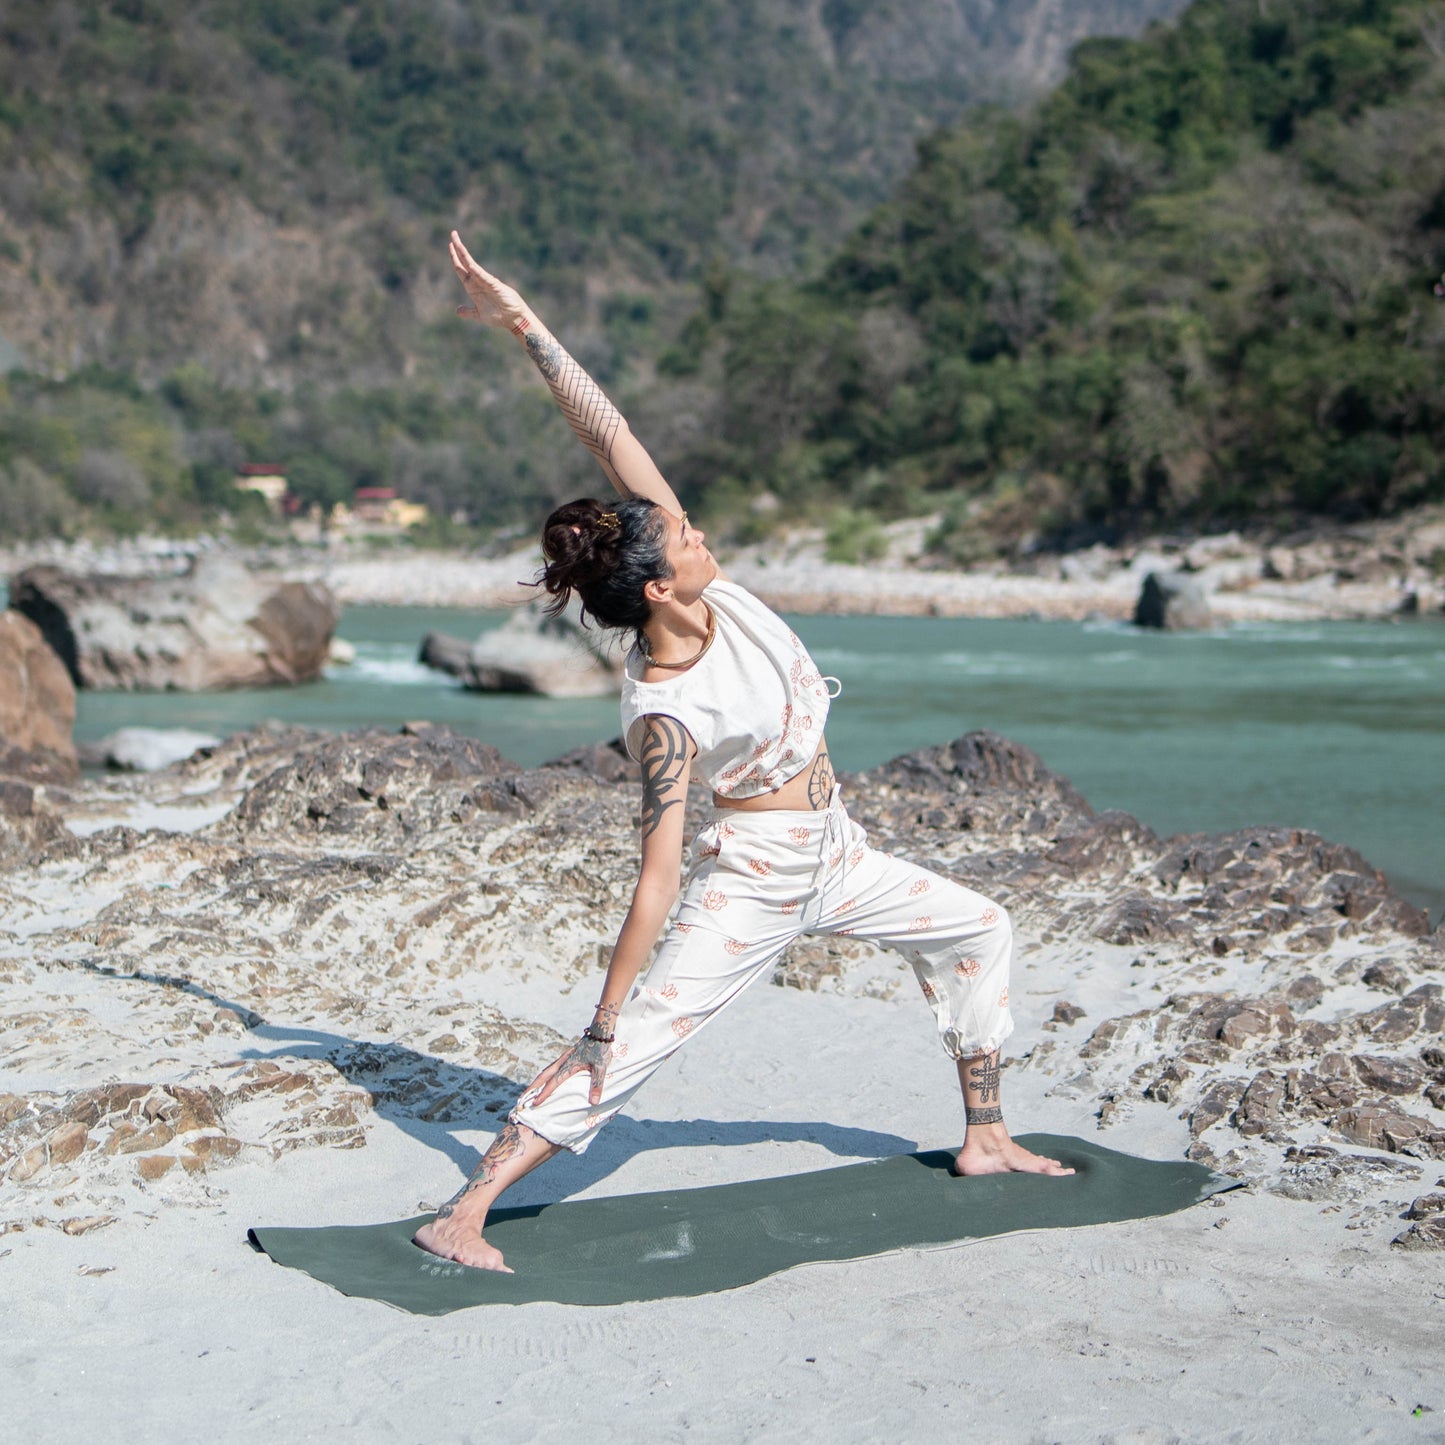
[421, 1094]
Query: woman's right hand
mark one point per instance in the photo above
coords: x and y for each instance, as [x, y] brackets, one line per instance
[494, 303]
[587, 1055]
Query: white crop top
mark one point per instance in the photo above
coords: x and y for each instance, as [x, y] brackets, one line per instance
[754, 703]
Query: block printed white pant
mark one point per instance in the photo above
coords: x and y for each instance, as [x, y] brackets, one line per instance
[760, 879]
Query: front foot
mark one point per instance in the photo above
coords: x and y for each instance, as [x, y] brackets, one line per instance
[989, 1150]
[453, 1240]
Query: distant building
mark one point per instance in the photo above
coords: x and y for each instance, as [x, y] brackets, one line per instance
[267, 479]
[381, 507]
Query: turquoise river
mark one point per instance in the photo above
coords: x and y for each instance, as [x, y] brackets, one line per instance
[1337, 727]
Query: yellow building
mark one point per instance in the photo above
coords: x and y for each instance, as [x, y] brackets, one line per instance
[268, 480]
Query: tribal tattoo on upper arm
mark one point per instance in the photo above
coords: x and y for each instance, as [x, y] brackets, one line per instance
[820, 781]
[664, 771]
[588, 411]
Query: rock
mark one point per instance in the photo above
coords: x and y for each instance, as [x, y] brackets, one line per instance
[1067, 1013]
[1261, 1106]
[1388, 1075]
[32, 1162]
[532, 652]
[1426, 1234]
[86, 1223]
[445, 653]
[384, 786]
[1378, 1126]
[1136, 918]
[37, 705]
[217, 627]
[1172, 601]
[1426, 1206]
[148, 750]
[1422, 1010]
[1218, 1101]
[1386, 975]
[67, 1142]
[153, 1166]
[1260, 1020]
[1321, 1173]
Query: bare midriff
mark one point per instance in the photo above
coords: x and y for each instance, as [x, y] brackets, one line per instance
[808, 790]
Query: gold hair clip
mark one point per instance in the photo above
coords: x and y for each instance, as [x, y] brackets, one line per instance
[608, 520]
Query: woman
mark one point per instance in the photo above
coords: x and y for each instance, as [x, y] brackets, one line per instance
[718, 686]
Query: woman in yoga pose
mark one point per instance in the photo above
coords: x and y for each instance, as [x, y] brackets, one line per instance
[719, 687]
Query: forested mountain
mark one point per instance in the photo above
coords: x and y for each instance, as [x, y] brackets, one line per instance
[221, 221]
[1194, 283]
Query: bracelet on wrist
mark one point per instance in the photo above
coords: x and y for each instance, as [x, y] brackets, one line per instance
[598, 1038]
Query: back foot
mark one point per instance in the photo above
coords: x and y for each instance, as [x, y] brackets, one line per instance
[992, 1155]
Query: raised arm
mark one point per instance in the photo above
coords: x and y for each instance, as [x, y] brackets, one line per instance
[600, 427]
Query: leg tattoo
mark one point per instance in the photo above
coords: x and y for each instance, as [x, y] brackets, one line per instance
[507, 1145]
[981, 1098]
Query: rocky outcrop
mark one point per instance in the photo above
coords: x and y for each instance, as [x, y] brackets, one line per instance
[532, 652]
[216, 626]
[1280, 1004]
[1172, 601]
[37, 705]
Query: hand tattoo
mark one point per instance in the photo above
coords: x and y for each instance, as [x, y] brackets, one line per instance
[583, 402]
[820, 782]
[586, 1056]
[664, 762]
[507, 1145]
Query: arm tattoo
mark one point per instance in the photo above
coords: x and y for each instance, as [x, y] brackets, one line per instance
[583, 402]
[664, 759]
[984, 1074]
[820, 782]
[507, 1145]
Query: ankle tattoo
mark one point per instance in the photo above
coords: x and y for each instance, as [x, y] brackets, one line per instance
[992, 1115]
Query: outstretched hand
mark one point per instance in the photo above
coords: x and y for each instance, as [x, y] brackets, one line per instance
[586, 1056]
[494, 303]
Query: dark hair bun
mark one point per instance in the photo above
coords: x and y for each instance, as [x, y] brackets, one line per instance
[606, 555]
[578, 547]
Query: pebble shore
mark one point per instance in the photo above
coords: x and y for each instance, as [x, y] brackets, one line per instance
[1371, 571]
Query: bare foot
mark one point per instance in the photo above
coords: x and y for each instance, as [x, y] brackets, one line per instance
[454, 1240]
[989, 1150]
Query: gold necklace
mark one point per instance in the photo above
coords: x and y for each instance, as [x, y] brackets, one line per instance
[651, 661]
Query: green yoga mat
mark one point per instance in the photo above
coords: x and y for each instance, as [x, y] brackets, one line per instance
[696, 1241]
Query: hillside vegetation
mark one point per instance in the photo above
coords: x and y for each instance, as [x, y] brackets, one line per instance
[1193, 285]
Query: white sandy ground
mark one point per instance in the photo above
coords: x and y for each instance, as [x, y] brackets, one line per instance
[1249, 1318]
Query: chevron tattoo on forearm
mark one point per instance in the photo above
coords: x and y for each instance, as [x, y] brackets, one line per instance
[583, 402]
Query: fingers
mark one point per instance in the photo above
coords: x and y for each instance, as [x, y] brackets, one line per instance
[599, 1073]
[465, 266]
[469, 313]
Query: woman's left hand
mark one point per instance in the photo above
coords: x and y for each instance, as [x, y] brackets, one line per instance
[494, 303]
[586, 1056]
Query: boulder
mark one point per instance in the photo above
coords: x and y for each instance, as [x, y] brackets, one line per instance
[532, 652]
[37, 705]
[1172, 601]
[217, 626]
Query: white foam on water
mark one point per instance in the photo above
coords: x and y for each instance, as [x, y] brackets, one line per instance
[390, 671]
